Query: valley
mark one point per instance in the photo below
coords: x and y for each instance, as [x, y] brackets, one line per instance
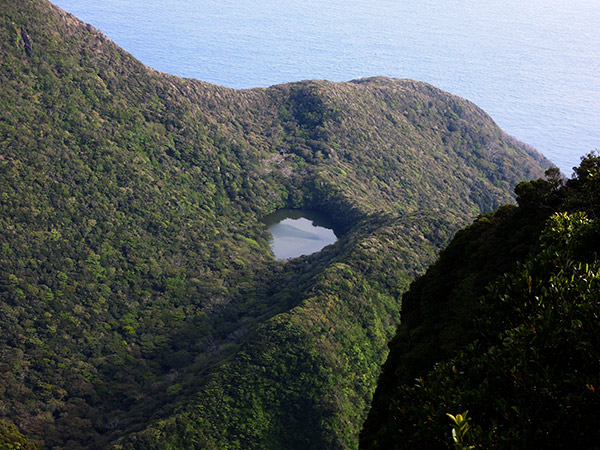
[140, 302]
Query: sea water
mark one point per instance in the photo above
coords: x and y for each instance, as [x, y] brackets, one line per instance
[532, 65]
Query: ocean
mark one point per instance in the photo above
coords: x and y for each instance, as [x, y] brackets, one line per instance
[531, 64]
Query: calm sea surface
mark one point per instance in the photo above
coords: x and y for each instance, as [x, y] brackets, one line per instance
[531, 64]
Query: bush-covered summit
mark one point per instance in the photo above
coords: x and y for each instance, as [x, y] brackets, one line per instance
[505, 326]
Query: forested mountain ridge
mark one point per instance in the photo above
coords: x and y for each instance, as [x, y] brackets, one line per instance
[140, 304]
[503, 326]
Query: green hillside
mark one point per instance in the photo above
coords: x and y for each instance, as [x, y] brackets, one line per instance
[505, 326]
[140, 304]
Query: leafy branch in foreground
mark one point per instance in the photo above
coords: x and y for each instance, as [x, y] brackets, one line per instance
[460, 429]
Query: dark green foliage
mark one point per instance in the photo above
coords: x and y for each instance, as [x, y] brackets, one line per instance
[139, 301]
[523, 355]
[12, 439]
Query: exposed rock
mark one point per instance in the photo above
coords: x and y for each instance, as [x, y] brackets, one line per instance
[27, 42]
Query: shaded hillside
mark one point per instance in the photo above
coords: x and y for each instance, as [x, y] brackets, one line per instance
[139, 301]
[504, 326]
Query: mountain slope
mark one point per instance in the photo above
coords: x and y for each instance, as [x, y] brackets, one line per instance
[140, 302]
[503, 326]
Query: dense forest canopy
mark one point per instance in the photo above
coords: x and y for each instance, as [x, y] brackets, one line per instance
[503, 326]
[140, 305]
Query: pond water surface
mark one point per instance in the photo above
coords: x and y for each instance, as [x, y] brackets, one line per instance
[297, 232]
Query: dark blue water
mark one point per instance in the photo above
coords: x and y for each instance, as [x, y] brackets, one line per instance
[531, 64]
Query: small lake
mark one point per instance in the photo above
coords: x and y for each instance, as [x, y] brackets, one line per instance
[298, 232]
